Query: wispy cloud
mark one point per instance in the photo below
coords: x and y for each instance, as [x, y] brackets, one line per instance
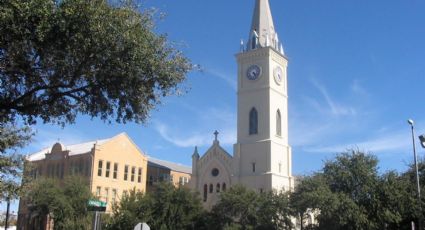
[46, 135]
[211, 119]
[392, 143]
[357, 89]
[335, 108]
[194, 140]
[228, 78]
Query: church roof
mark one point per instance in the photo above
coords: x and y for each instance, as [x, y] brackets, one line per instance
[169, 165]
[75, 149]
[262, 32]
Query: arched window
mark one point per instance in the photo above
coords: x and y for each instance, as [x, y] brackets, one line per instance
[205, 192]
[224, 187]
[278, 123]
[211, 188]
[253, 121]
[218, 188]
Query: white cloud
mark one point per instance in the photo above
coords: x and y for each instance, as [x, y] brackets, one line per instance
[194, 140]
[358, 89]
[335, 108]
[210, 119]
[392, 143]
[47, 135]
[381, 140]
[228, 78]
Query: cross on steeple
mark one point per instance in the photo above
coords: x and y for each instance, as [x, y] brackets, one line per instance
[216, 135]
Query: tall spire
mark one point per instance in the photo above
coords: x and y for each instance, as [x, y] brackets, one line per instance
[262, 32]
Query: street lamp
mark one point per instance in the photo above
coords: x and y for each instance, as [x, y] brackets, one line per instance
[411, 123]
[422, 139]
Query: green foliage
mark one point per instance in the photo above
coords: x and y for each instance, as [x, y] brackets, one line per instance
[11, 163]
[60, 58]
[166, 208]
[67, 202]
[241, 208]
[350, 194]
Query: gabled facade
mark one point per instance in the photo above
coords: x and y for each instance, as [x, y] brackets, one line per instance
[211, 173]
[111, 167]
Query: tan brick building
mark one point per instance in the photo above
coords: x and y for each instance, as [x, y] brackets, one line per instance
[165, 171]
[112, 167]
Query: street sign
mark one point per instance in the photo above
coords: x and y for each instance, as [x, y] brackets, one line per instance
[142, 226]
[96, 205]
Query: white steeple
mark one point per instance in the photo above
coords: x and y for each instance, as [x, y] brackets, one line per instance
[262, 32]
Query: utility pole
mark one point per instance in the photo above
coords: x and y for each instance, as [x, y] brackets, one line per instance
[6, 225]
[411, 123]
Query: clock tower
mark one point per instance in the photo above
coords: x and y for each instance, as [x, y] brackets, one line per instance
[262, 155]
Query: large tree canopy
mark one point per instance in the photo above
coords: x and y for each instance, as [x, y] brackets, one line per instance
[60, 58]
[65, 202]
[167, 207]
[349, 193]
[243, 208]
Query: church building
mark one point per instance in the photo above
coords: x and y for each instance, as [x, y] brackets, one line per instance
[261, 157]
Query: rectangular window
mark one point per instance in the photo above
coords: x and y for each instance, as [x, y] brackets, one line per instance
[80, 166]
[51, 170]
[106, 195]
[126, 172]
[108, 168]
[58, 171]
[115, 171]
[133, 171]
[87, 168]
[71, 164]
[99, 170]
[150, 180]
[40, 170]
[139, 176]
[114, 195]
[62, 170]
[183, 180]
[98, 191]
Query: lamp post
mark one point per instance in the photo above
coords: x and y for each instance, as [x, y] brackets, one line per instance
[411, 123]
[422, 139]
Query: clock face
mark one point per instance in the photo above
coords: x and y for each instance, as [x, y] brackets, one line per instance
[253, 72]
[278, 75]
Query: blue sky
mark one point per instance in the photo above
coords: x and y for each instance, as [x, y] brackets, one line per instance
[356, 74]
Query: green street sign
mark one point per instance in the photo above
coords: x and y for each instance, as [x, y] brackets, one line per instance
[96, 205]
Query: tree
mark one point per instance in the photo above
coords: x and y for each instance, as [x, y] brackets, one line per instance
[11, 163]
[241, 208]
[166, 208]
[350, 194]
[310, 194]
[274, 211]
[352, 178]
[133, 208]
[399, 205]
[66, 203]
[60, 58]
